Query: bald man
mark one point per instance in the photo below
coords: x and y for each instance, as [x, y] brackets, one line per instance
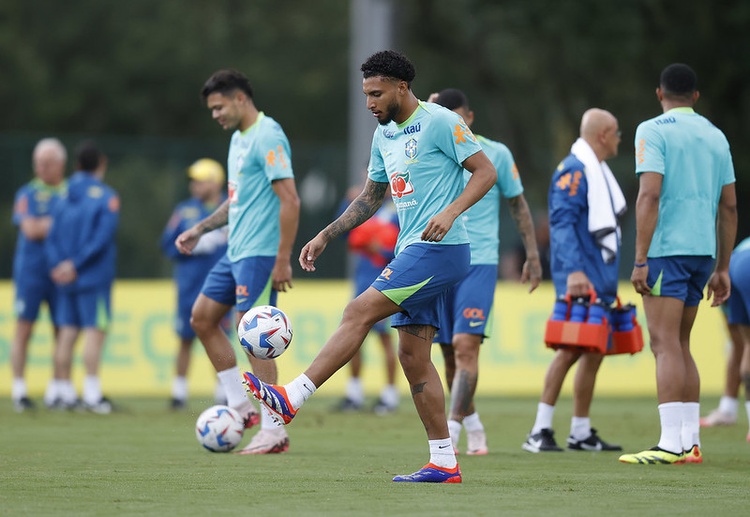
[585, 206]
[31, 213]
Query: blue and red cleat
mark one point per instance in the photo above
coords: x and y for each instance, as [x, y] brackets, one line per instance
[272, 396]
[431, 473]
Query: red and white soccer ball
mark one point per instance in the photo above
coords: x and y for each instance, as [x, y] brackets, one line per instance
[219, 428]
[265, 332]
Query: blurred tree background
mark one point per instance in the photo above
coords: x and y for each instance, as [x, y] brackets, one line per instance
[129, 75]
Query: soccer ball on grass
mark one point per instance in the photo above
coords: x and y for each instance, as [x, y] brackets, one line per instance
[265, 332]
[219, 428]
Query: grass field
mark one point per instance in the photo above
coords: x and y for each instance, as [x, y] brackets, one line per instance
[144, 460]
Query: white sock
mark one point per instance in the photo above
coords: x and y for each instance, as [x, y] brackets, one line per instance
[354, 390]
[441, 453]
[68, 392]
[266, 420]
[180, 388]
[390, 395]
[670, 414]
[18, 391]
[220, 395]
[580, 427]
[544, 414]
[690, 433]
[473, 423]
[729, 405]
[454, 428]
[92, 389]
[52, 392]
[299, 390]
[231, 380]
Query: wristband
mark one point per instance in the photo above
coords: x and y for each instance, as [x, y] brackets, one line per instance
[644, 264]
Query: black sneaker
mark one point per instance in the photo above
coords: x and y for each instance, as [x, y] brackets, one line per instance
[23, 404]
[592, 443]
[347, 405]
[543, 441]
[176, 404]
[102, 407]
[382, 409]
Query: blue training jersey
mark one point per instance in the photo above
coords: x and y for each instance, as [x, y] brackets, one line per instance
[84, 224]
[35, 199]
[572, 246]
[483, 218]
[257, 156]
[191, 270]
[693, 157]
[421, 159]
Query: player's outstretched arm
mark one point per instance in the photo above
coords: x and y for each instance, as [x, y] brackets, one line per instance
[187, 240]
[359, 211]
[532, 268]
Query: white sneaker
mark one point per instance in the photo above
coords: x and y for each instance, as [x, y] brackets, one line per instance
[267, 441]
[476, 443]
[248, 413]
[102, 407]
[718, 417]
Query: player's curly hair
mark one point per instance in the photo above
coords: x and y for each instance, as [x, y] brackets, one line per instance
[389, 63]
[226, 81]
[678, 80]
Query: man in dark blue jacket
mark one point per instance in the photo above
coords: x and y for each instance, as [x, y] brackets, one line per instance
[81, 256]
[585, 205]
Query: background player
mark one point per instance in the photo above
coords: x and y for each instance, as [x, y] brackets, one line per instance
[206, 188]
[467, 318]
[81, 253]
[32, 207]
[686, 214]
[262, 212]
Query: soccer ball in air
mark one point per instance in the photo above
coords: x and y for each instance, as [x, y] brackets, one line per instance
[219, 428]
[265, 332]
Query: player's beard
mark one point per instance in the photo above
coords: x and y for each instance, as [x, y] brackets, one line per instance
[390, 113]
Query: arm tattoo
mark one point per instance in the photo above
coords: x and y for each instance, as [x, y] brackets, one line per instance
[217, 219]
[359, 211]
[519, 210]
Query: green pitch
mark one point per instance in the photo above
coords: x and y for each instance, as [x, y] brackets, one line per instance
[145, 460]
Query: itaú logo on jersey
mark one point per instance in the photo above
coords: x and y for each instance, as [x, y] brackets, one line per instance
[400, 184]
[410, 130]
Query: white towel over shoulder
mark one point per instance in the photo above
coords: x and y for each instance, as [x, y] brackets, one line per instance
[605, 199]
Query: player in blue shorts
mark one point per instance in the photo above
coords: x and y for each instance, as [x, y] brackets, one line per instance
[467, 318]
[420, 149]
[262, 212]
[207, 180]
[686, 215]
[81, 255]
[738, 315]
[32, 207]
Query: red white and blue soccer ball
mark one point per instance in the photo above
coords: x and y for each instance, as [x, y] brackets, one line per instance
[265, 332]
[219, 428]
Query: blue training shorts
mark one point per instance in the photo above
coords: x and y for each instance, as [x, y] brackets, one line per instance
[739, 302]
[85, 309]
[245, 283]
[681, 277]
[419, 278]
[29, 295]
[469, 304]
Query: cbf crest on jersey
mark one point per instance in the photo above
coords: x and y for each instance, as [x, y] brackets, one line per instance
[410, 149]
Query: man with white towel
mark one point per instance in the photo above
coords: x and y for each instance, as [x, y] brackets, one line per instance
[585, 206]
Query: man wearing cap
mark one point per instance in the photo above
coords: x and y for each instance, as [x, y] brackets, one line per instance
[206, 188]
